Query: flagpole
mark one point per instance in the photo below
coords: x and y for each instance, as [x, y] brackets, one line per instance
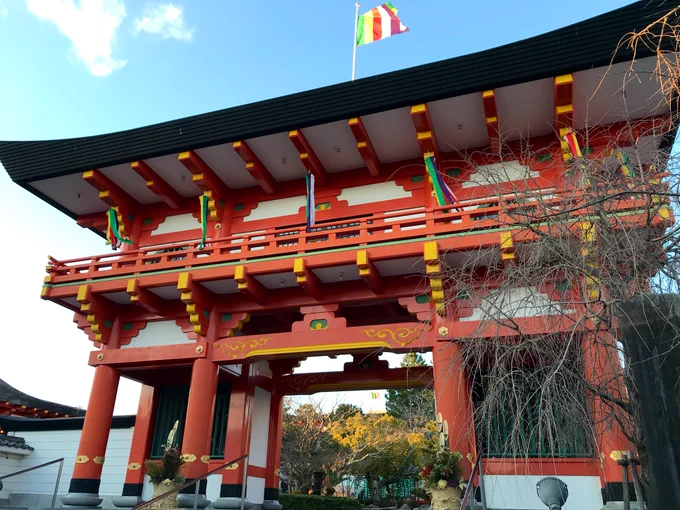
[354, 57]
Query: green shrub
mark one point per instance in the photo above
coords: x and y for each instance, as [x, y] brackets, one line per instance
[304, 502]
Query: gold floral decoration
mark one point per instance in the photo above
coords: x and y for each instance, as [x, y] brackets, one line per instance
[403, 336]
[236, 347]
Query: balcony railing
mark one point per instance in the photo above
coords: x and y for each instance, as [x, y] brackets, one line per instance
[464, 217]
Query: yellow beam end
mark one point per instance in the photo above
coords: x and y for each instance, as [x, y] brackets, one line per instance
[198, 329]
[418, 108]
[294, 132]
[183, 281]
[488, 93]
[183, 155]
[506, 241]
[237, 145]
[250, 165]
[47, 279]
[192, 308]
[435, 283]
[98, 337]
[131, 284]
[364, 272]
[299, 266]
[353, 120]
[88, 174]
[301, 279]
[424, 135]
[194, 318]
[567, 108]
[186, 296]
[362, 258]
[564, 79]
[491, 120]
[361, 145]
[431, 252]
[437, 295]
[242, 285]
[44, 291]
[82, 293]
[240, 273]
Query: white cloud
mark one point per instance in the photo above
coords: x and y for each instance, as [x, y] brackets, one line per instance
[91, 26]
[164, 20]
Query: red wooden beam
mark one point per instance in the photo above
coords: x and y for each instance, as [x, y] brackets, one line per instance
[255, 167]
[491, 115]
[369, 273]
[145, 298]
[398, 337]
[110, 192]
[157, 185]
[249, 285]
[307, 279]
[564, 109]
[365, 146]
[203, 176]
[307, 155]
[424, 130]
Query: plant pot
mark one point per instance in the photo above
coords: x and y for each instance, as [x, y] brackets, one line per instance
[445, 499]
[169, 502]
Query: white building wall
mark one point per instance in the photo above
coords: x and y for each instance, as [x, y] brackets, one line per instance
[50, 445]
[512, 492]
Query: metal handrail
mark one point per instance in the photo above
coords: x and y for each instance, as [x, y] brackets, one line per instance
[33, 468]
[476, 467]
[202, 477]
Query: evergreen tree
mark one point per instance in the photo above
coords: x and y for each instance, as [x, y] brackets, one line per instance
[414, 406]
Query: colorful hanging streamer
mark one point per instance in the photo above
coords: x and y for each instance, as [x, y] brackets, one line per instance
[571, 140]
[113, 236]
[204, 219]
[624, 164]
[441, 190]
[375, 395]
[309, 207]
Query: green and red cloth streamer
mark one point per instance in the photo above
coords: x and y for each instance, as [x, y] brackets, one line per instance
[113, 235]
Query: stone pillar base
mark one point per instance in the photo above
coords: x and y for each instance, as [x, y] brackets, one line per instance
[230, 503]
[271, 504]
[126, 501]
[82, 500]
[188, 501]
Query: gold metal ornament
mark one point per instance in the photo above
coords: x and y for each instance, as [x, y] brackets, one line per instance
[443, 331]
[134, 466]
[100, 356]
[199, 349]
[205, 459]
[82, 459]
[98, 460]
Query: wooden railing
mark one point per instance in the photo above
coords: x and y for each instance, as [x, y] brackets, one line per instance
[464, 217]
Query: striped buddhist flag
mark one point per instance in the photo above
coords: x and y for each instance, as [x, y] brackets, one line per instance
[379, 23]
[309, 206]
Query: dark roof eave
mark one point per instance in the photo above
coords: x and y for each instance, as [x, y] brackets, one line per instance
[21, 424]
[14, 396]
[584, 45]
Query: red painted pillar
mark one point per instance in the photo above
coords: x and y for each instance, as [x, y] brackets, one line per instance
[452, 399]
[140, 448]
[198, 422]
[271, 485]
[603, 370]
[95, 435]
[237, 440]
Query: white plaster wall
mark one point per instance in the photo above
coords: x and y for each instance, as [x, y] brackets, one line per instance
[255, 490]
[50, 445]
[499, 172]
[515, 302]
[158, 333]
[276, 208]
[370, 193]
[8, 464]
[513, 492]
[177, 223]
[260, 428]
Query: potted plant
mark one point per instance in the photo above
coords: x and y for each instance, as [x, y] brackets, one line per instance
[442, 479]
[166, 474]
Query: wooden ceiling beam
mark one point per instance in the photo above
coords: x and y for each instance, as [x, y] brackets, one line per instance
[307, 279]
[145, 298]
[203, 176]
[365, 146]
[157, 185]
[491, 116]
[99, 312]
[110, 192]
[249, 285]
[427, 140]
[369, 273]
[307, 155]
[563, 91]
[255, 167]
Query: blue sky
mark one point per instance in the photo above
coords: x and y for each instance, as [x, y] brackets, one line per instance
[74, 68]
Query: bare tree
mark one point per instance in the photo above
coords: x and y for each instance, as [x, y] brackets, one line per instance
[549, 377]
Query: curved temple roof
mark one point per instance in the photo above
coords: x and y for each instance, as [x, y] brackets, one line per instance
[15, 398]
[579, 47]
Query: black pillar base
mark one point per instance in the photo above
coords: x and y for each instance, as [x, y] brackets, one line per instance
[613, 491]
